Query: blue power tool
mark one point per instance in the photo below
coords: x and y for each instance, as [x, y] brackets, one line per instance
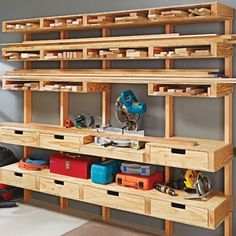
[129, 109]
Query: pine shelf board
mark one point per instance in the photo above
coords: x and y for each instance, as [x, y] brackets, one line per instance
[208, 155]
[121, 79]
[210, 203]
[210, 206]
[220, 13]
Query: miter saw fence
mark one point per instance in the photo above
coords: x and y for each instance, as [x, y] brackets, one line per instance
[129, 110]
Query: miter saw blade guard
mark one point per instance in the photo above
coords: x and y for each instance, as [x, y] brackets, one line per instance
[129, 110]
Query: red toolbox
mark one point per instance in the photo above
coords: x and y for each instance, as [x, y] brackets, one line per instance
[75, 166]
[139, 181]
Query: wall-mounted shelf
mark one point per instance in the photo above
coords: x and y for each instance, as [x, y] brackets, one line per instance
[208, 213]
[122, 48]
[186, 153]
[214, 12]
[206, 155]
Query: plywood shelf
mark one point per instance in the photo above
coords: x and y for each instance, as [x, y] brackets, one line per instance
[212, 12]
[205, 155]
[152, 78]
[54, 86]
[210, 211]
[190, 90]
[123, 47]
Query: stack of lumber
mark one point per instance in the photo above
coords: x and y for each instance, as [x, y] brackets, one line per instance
[21, 86]
[62, 87]
[74, 22]
[200, 12]
[156, 14]
[136, 53]
[64, 55]
[188, 90]
[112, 53]
[29, 55]
[100, 20]
[93, 54]
[174, 13]
[132, 17]
[22, 26]
[57, 23]
[12, 56]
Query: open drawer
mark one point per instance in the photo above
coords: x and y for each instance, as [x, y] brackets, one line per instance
[19, 137]
[63, 142]
[114, 199]
[205, 156]
[59, 188]
[127, 154]
[18, 179]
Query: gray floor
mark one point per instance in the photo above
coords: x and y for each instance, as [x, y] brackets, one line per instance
[28, 220]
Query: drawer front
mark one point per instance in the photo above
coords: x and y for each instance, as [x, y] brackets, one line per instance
[113, 152]
[179, 213]
[59, 188]
[18, 179]
[20, 137]
[114, 199]
[60, 142]
[180, 158]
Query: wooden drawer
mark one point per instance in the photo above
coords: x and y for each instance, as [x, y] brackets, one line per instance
[126, 154]
[19, 137]
[59, 188]
[176, 157]
[113, 199]
[19, 179]
[179, 213]
[60, 142]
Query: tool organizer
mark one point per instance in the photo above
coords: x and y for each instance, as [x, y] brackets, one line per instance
[199, 154]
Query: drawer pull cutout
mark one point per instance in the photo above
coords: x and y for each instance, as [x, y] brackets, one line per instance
[177, 205]
[59, 182]
[59, 137]
[19, 132]
[178, 151]
[18, 174]
[113, 193]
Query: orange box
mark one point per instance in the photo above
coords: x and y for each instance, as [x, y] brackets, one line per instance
[138, 181]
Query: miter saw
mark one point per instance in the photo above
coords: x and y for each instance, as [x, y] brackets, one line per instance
[129, 110]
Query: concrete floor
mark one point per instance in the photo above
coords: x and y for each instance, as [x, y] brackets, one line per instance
[28, 220]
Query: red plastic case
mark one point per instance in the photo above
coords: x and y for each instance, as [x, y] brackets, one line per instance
[75, 166]
[138, 181]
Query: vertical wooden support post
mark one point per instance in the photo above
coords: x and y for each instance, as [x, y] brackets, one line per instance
[106, 113]
[169, 127]
[64, 110]
[27, 115]
[228, 117]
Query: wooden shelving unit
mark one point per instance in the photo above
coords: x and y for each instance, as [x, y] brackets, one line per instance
[202, 155]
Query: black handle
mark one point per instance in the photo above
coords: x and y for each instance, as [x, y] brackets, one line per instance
[18, 174]
[177, 205]
[59, 137]
[113, 193]
[19, 132]
[59, 182]
[178, 151]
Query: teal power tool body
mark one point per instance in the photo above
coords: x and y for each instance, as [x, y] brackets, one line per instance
[129, 109]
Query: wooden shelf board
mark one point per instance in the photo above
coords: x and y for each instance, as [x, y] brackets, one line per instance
[122, 79]
[211, 203]
[195, 144]
[220, 13]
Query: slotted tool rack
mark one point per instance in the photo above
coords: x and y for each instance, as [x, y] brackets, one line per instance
[204, 155]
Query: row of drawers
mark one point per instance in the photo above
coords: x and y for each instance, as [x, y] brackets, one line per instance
[206, 160]
[119, 198]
